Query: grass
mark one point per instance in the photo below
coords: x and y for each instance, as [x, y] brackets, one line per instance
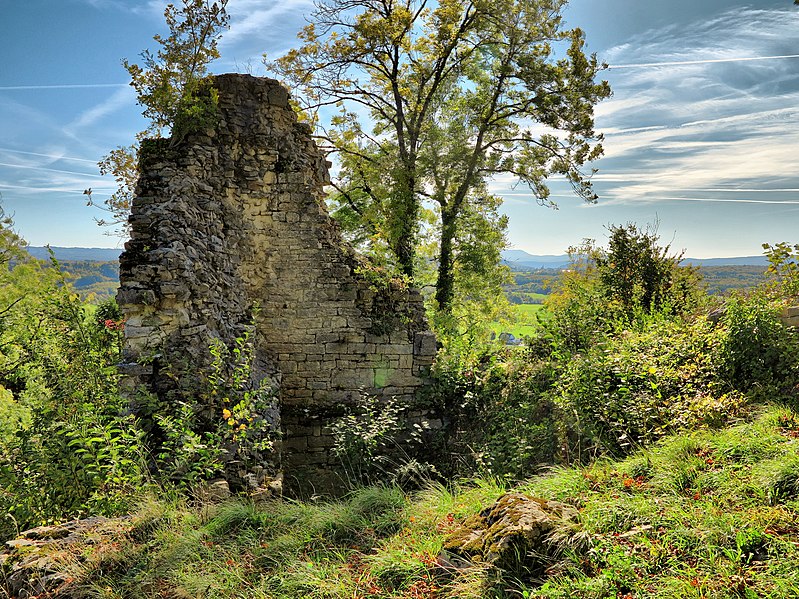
[525, 322]
[710, 514]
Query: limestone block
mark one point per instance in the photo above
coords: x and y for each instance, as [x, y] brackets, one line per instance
[424, 344]
[295, 443]
[319, 442]
[132, 296]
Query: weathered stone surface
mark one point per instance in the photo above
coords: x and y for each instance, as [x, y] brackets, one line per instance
[513, 534]
[43, 561]
[235, 217]
[790, 316]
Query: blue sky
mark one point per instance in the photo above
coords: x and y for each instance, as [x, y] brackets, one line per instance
[696, 138]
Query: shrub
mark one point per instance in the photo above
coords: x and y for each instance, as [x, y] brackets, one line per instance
[756, 349]
[374, 442]
[606, 291]
[229, 428]
[633, 388]
[71, 452]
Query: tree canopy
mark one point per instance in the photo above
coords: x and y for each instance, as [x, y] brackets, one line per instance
[166, 84]
[435, 100]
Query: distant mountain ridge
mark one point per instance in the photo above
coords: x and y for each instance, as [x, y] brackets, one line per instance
[522, 259]
[65, 253]
[518, 258]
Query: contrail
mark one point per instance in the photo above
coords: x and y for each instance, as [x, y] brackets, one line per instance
[54, 156]
[63, 86]
[689, 62]
[731, 201]
[51, 170]
[95, 192]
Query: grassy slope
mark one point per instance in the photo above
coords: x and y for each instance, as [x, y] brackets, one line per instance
[708, 514]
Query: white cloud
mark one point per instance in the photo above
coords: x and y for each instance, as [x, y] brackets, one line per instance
[125, 96]
[698, 123]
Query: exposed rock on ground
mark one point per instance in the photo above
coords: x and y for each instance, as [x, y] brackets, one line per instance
[43, 561]
[514, 534]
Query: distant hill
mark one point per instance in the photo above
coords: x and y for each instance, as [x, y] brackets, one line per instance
[82, 254]
[739, 261]
[94, 272]
[522, 260]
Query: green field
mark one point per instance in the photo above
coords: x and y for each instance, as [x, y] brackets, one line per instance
[525, 323]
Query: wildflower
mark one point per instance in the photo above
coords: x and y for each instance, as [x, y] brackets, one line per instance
[226, 414]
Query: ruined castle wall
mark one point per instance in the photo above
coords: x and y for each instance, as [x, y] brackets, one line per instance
[234, 218]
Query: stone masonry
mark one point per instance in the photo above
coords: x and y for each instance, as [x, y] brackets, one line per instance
[230, 230]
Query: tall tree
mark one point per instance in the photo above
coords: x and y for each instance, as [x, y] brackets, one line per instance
[454, 94]
[166, 84]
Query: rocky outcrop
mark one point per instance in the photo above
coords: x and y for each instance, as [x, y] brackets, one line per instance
[230, 234]
[46, 561]
[513, 535]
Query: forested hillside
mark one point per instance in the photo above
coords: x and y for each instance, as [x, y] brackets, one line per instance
[529, 284]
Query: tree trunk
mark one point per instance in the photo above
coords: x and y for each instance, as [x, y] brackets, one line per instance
[445, 285]
[405, 214]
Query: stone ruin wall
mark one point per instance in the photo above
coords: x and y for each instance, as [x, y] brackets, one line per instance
[235, 217]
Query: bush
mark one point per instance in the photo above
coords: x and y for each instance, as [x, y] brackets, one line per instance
[757, 350]
[375, 442]
[606, 291]
[633, 388]
[72, 452]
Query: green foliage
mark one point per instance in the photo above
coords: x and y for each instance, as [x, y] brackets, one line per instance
[757, 350]
[167, 82]
[374, 441]
[521, 429]
[784, 267]
[607, 290]
[65, 450]
[451, 92]
[598, 377]
[703, 514]
[638, 274]
[187, 454]
[633, 388]
[170, 86]
[197, 111]
[231, 428]
[248, 407]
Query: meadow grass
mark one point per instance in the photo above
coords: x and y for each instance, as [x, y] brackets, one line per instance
[525, 321]
[707, 514]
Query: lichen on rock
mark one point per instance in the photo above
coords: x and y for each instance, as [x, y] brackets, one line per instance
[513, 534]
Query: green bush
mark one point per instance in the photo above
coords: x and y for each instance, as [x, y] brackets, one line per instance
[74, 452]
[609, 290]
[756, 349]
[521, 430]
[634, 388]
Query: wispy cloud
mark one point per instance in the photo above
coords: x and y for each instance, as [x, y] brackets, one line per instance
[76, 189]
[120, 98]
[51, 156]
[50, 170]
[692, 62]
[249, 17]
[704, 113]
